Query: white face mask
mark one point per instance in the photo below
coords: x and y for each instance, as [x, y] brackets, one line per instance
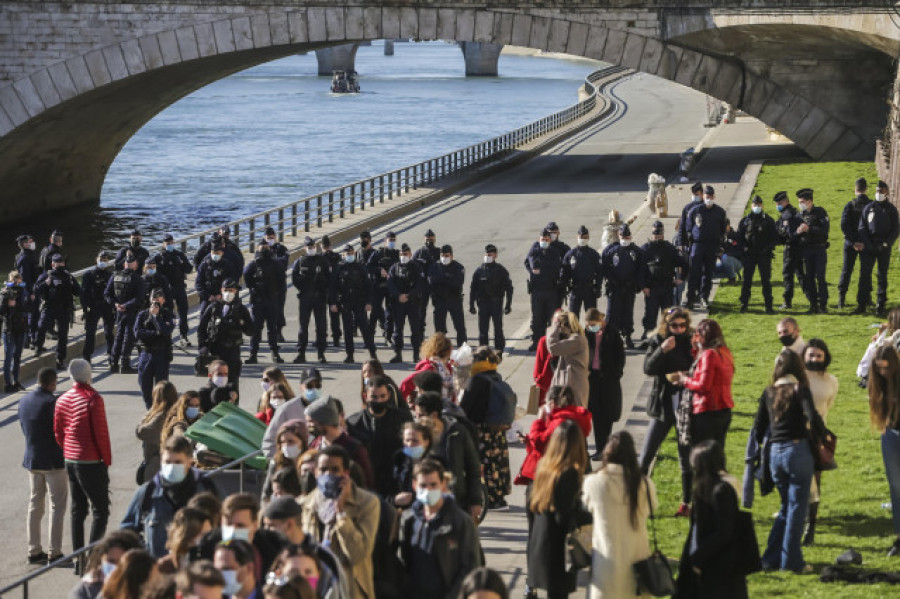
[554, 236]
[445, 260]
[30, 246]
[404, 259]
[625, 242]
[265, 385]
[583, 241]
[707, 202]
[803, 207]
[291, 452]
[275, 402]
[488, 259]
[756, 209]
[228, 296]
[271, 240]
[312, 251]
[880, 197]
[219, 381]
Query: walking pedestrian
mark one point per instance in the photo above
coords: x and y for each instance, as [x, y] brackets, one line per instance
[606, 363]
[188, 526]
[884, 413]
[566, 341]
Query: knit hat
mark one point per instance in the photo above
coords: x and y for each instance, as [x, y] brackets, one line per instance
[324, 411]
[80, 370]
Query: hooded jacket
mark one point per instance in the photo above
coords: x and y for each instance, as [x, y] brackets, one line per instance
[541, 431]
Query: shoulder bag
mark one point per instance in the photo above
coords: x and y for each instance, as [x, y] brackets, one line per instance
[653, 574]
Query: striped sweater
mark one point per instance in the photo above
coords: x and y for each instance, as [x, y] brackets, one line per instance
[79, 424]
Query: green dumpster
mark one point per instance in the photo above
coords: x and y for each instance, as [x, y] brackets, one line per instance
[231, 431]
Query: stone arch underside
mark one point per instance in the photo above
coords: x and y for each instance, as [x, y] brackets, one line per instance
[63, 125]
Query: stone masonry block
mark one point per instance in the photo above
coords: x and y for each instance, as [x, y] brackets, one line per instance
[187, 45]
[776, 104]
[503, 26]
[372, 23]
[168, 47]
[298, 26]
[278, 28]
[465, 25]
[809, 126]
[243, 37]
[559, 36]
[390, 22]
[353, 22]
[844, 147]
[727, 83]
[790, 119]
[96, 66]
[428, 18]
[318, 30]
[540, 33]
[484, 26]
[334, 24]
[828, 134]
[757, 95]
[705, 74]
[653, 50]
[615, 46]
[30, 97]
[668, 62]
[224, 38]
[634, 50]
[446, 24]
[45, 88]
[62, 81]
[687, 66]
[577, 39]
[81, 77]
[409, 23]
[596, 40]
[6, 124]
[206, 40]
[521, 31]
[262, 35]
[12, 104]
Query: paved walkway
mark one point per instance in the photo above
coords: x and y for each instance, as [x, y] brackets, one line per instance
[576, 183]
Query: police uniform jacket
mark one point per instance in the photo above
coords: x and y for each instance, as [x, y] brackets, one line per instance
[125, 287]
[382, 258]
[93, 286]
[157, 281]
[139, 252]
[175, 266]
[350, 285]
[154, 333]
[548, 264]
[490, 282]
[581, 268]
[624, 266]
[707, 225]
[663, 261]
[311, 276]
[850, 217]
[757, 234]
[406, 279]
[787, 223]
[879, 226]
[224, 324]
[281, 254]
[446, 282]
[684, 234]
[27, 264]
[211, 275]
[57, 290]
[817, 220]
[264, 277]
[45, 260]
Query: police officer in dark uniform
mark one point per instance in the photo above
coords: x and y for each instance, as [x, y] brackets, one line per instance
[153, 279]
[135, 249]
[446, 278]
[852, 245]
[222, 328]
[283, 257]
[28, 265]
[125, 293]
[95, 307]
[427, 255]
[350, 295]
[311, 276]
[561, 247]
[706, 226]
[54, 247]
[581, 273]
[333, 259]
[406, 286]
[232, 251]
[56, 290]
[624, 270]
[792, 263]
[812, 232]
[879, 228]
[490, 284]
[757, 235]
[264, 277]
[664, 266]
[684, 230]
[543, 264]
[379, 265]
[153, 330]
[211, 273]
[175, 266]
[365, 250]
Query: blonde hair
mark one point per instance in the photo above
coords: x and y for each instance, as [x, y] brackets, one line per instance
[438, 345]
[177, 415]
[670, 315]
[13, 275]
[614, 216]
[572, 319]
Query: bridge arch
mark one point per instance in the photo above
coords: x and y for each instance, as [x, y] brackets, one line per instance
[63, 125]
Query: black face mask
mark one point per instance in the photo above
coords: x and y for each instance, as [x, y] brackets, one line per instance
[307, 483]
[378, 407]
[786, 339]
[59, 268]
[364, 243]
[429, 244]
[815, 366]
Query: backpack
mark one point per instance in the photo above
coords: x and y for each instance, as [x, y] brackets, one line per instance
[502, 402]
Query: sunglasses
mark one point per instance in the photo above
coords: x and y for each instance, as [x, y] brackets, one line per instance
[677, 325]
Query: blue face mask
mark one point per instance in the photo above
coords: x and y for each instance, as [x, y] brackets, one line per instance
[230, 533]
[414, 452]
[429, 497]
[594, 328]
[779, 208]
[170, 247]
[151, 272]
[232, 586]
[544, 244]
[107, 568]
[312, 394]
[173, 473]
[329, 485]
[191, 412]
[349, 258]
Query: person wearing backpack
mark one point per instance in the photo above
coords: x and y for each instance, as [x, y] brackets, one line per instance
[490, 403]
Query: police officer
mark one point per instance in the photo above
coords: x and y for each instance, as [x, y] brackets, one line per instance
[812, 232]
[230, 250]
[365, 250]
[664, 269]
[684, 230]
[350, 295]
[333, 259]
[757, 235]
[852, 244]
[445, 279]
[56, 290]
[490, 284]
[222, 328]
[175, 266]
[792, 262]
[878, 230]
[211, 273]
[125, 293]
[264, 277]
[282, 256]
[29, 268]
[53, 248]
[311, 276]
[95, 307]
[543, 265]
[153, 330]
[379, 265]
[153, 279]
[624, 270]
[706, 226]
[135, 249]
[556, 243]
[406, 286]
[427, 255]
[581, 273]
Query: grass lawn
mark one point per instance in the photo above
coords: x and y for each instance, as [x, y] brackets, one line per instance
[850, 515]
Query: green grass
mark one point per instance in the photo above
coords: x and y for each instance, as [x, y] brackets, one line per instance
[850, 515]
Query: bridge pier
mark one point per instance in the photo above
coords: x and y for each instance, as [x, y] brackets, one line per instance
[481, 58]
[337, 58]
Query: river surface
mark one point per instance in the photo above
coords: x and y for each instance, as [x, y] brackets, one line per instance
[274, 133]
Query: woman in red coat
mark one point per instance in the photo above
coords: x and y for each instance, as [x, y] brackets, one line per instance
[544, 365]
[560, 406]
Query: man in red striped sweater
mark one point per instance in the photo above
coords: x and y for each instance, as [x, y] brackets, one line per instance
[80, 427]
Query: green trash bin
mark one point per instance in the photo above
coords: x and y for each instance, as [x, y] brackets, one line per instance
[231, 431]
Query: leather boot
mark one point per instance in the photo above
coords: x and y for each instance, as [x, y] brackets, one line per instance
[810, 537]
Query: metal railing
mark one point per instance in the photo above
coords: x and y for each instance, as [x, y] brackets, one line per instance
[241, 461]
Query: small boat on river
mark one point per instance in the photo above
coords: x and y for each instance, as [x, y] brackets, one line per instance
[345, 82]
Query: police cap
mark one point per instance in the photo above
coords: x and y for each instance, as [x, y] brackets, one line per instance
[58, 258]
[551, 226]
[781, 196]
[309, 241]
[658, 227]
[429, 233]
[169, 237]
[709, 190]
[881, 185]
[154, 259]
[756, 200]
[490, 249]
[582, 230]
[22, 238]
[158, 292]
[136, 233]
[404, 247]
[625, 230]
[270, 231]
[348, 249]
[365, 235]
[862, 184]
[326, 243]
[391, 235]
[56, 233]
[446, 249]
[229, 283]
[545, 232]
[697, 187]
[805, 194]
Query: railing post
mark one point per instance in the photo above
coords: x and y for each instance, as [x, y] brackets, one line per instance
[306, 216]
[381, 189]
[294, 217]
[252, 225]
[342, 202]
[319, 211]
[406, 174]
[372, 193]
[331, 206]
[391, 185]
[280, 230]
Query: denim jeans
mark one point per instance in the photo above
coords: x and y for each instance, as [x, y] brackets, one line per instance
[792, 470]
[728, 267]
[12, 356]
[890, 451]
[656, 434]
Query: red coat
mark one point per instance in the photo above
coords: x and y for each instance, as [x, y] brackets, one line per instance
[711, 382]
[266, 415]
[408, 387]
[540, 433]
[543, 368]
[81, 432]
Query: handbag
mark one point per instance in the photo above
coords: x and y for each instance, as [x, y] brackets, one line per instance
[823, 450]
[653, 574]
[579, 544]
[534, 400]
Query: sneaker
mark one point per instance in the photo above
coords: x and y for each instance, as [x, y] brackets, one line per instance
[684, 511]
[37, 558]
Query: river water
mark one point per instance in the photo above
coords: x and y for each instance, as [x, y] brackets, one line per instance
[274, 133]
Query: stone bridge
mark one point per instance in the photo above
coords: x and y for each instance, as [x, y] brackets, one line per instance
[79, 78]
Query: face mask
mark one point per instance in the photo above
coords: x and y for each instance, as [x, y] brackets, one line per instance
[349, 258]
[378, 407]
[815, 366]
[107, 568]
[135, 242]
[593, 328]
[191, 412]
[173, 473]
[313, 581]
[170, 247]
[219, 381]
[312, 394]
[151, 272]
[291, 452]
[391, 244]
[232, 586]
[271, 240]
[445, 260]
[276, 402]
[802, 207]
[102, 264]
[756, 209]
[554, 236]
[311, 251]
[228, 296]
[29, 246]
[215, 257]
[414, 452]
[625, 242]
[329, 485]
[880, 197]
[307, 482]
[544, 244]
[429, 497]
[429, 244]
[583, 241]
[230, 533]
[779, 208]
[265, 385]
[787, 340]
[404, 259]
[707, 202]
[59, 268]
[488, 259]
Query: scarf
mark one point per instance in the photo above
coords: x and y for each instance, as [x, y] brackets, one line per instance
[326, 509]
[483, 366]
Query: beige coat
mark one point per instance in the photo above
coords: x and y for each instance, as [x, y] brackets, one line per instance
[352, 538]
[617, 545]
[572, 369]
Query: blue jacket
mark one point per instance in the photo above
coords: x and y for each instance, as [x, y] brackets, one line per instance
[36, 418]
[548, 263]
[706, 225]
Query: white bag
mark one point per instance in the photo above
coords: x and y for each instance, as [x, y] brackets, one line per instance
[463, 355]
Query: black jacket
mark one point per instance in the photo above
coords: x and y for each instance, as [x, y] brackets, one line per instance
[36, 419]
[606, 389]
[381, 437]
[458, 451]
[658, 363]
